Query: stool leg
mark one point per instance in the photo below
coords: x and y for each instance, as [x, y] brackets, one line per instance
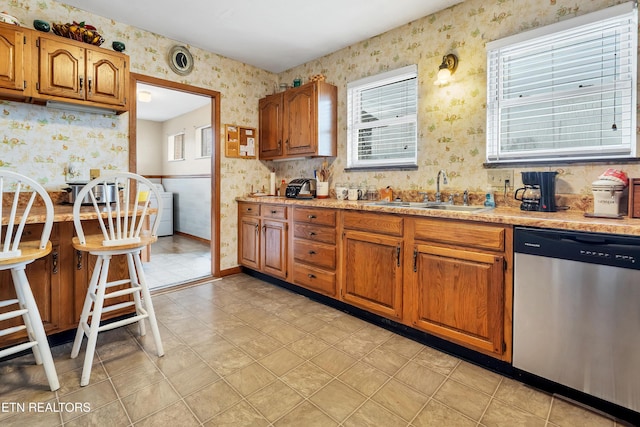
[86, 308]
[146, 298]
[133, 277]
[25, 317]
[38, 329]
[95, 321]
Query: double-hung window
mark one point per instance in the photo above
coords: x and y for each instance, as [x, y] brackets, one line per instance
[566, 91]
[175, 147]
[382, 120]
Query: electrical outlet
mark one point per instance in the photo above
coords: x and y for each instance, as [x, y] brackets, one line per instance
[498, 177]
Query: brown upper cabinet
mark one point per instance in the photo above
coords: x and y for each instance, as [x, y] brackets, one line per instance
[299, 122]
[77, 71]
[38, 67]
[15, 60]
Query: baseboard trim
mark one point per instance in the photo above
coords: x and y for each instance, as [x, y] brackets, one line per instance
[192, 237]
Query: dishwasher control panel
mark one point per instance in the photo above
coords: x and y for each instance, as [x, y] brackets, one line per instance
[595, 248]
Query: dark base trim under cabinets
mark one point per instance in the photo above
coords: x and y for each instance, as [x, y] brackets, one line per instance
[504, 368]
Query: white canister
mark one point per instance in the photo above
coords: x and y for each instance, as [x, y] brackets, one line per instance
[606, 196]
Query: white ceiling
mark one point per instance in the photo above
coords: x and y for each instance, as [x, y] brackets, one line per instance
[166, 103]
[274, 35]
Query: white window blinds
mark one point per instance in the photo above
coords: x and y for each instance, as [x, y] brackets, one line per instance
[565, 91]
[382, 120]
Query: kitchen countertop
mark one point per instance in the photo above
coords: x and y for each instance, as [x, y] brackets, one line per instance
[61, 213]
[565, 220]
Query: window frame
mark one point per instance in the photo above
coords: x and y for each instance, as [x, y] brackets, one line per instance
[171, 147]
[199, 141]
[354, 89]
[626, 80]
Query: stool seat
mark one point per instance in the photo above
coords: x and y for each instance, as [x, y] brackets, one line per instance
[94, 244]
[30, 251]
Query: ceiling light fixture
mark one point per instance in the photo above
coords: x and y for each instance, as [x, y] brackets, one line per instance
[144, 96]
[446, 69]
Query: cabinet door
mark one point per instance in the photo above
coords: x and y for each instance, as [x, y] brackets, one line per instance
[249, 242]
[106, 77]
[12, 59]
[274, 248]
[62, 69]
[44, 280]
[270, 126]
[458, 295]
[372, 272]
[300, 124]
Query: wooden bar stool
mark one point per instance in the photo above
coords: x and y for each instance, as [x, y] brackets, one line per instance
[121, 223]
[15, 254]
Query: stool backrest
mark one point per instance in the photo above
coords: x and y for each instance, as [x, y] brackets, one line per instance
[19, 192]
[122, 220]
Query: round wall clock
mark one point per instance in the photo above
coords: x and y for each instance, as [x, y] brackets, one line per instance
[180, 60]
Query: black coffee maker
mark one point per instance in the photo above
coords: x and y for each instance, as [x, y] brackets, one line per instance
[538, 193]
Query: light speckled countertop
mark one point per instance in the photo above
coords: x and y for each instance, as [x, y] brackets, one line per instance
[566, 220]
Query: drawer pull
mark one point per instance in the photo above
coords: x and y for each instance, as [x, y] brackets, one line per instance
[274, 212]
[311, 234]
[311, 276]
[311, 216]
[54, 257]
[249, 209]
[312, 252]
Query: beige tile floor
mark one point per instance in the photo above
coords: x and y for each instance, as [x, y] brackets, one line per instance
[241, 352]
[177, 259]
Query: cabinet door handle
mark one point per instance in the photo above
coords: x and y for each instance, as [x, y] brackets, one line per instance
[311, 276]
[81, 85]
[79, 258]
[311, 216]
[287, 143]
[398, 254]
[279, 144]
[54, 258]
[89, 85]
[415, 259]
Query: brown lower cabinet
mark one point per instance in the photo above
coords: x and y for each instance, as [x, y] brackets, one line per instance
[450, 278]
[59, 281]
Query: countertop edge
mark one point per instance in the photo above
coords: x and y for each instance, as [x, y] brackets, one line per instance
[513, 216]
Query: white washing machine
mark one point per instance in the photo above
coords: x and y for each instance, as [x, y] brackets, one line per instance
[166, 220]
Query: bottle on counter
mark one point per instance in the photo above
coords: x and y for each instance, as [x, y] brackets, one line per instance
[489, 200]
[283, 188]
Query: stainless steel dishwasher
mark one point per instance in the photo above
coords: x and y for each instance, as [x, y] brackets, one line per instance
[576, 314]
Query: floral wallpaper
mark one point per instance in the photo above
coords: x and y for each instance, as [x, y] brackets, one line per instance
[40, 141]
[451, 119]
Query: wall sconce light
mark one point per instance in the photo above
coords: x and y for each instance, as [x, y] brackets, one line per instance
[446, 69]
[144, 96]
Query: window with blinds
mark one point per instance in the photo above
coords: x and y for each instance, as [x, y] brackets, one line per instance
[175, 147]
[382, 120]
[565, 91]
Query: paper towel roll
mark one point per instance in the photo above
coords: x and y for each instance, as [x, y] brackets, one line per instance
[272, 184]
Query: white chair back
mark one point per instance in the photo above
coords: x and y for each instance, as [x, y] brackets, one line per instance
[21, 192]
[122, 220]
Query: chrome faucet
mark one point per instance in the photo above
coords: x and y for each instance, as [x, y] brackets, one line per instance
[465, 198]
[445, 181]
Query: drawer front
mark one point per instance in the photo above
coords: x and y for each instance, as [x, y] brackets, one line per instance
[316, 233]
[273, 211]
[467, 234]
[315, 216]
[374, 222]
[317, 254]
[321, 281]
[249, 209]
[33, 232]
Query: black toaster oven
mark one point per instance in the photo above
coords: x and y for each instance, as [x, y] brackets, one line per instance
[301, 188]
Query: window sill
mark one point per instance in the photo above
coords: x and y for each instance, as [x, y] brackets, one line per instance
[583, 162]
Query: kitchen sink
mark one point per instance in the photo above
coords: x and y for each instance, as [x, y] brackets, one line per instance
[399, 204]
[431, 205]
[457, 208]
